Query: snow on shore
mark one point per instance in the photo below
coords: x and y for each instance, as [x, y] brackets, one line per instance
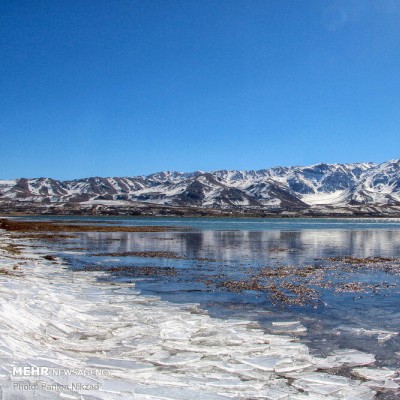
[103, 341]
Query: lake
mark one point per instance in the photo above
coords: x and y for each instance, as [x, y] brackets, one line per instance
[339, 277]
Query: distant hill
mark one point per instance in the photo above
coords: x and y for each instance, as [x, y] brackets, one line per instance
[360, 188]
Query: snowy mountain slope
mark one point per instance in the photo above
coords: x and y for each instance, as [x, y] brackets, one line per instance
[380, 185]
[336, 185]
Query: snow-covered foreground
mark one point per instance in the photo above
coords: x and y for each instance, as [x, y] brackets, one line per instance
[101, 341]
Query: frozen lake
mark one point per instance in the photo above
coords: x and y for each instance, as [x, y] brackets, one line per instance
[348, 295]
[230, 308]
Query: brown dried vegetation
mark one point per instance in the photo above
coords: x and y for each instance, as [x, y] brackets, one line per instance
[33, 226]
[142, 254]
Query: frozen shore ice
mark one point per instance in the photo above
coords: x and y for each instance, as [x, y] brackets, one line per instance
[145, 348]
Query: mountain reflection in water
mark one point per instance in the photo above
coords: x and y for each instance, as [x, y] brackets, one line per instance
[296, 247]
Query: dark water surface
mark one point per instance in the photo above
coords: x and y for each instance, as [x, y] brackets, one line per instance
[221, 250]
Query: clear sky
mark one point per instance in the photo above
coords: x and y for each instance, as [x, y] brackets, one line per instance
[127, 87]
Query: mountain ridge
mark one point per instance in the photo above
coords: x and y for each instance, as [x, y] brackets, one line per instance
[311, 187]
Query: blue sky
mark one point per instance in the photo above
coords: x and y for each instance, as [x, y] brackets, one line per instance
[126, 87]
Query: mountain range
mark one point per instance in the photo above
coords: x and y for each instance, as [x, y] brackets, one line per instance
[366, 188]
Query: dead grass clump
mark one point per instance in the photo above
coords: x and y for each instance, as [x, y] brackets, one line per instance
[34, 226]
[354, 287]
[143, 271]
[142, 254]
[240, 286]
[357, 260]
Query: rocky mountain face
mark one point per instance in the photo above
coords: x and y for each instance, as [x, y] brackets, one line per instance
[329, 186]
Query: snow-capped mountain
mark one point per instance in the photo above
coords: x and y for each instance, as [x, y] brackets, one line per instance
[329, 185]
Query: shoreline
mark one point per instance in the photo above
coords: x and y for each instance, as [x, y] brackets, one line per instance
[202, 216]
[138, 209]
[72, 217]
[43, 226]
[149, 348]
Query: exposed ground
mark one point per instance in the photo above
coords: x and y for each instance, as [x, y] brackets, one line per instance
[34, 226]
